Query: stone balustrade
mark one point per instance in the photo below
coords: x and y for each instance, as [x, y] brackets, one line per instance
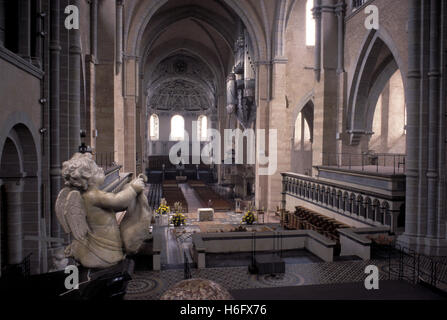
[364, 206]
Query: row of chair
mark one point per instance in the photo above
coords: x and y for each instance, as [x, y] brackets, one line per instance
[306, 219]
[206, 194]
[154, 195]
[173, 194]
[157, 163]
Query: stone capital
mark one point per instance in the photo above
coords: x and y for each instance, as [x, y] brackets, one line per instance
[280, 60]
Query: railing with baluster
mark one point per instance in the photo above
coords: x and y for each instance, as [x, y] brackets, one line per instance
[358, 3]
[364, 205]
[406, 264]
[384, 163]
[105, 160]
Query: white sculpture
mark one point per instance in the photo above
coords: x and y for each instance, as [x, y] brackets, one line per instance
[89, 214]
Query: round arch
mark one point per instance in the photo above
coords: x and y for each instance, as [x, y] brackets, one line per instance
[21, 190]
[25, 132]
[197, 82]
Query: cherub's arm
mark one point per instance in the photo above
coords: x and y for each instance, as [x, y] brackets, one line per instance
[117, 202]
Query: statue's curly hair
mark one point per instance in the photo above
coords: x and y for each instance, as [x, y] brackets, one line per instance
[80, 171]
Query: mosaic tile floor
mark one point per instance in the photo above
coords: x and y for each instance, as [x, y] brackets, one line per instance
[151, 285]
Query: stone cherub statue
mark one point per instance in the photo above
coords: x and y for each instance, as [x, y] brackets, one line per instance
[89, 214]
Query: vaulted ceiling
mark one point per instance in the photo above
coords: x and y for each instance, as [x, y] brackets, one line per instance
[187, 52]
[179, 83]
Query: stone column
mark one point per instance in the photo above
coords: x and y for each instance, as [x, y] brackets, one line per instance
[90, 75]
[442, 225]
[413, 98]
[75, 87]
[340, 12]
[327, 91]
[119, 34]
[262, 122]
[24, 49]
[14, 192]
[126, 147]
[55, 159]
[434, 76]
[317, 15]
[40, 34]
[94, 28]
[278, 112]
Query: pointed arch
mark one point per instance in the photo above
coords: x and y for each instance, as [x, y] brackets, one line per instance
[377, 61]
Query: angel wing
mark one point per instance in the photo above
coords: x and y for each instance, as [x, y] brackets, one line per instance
[60, 208]
[71, 213]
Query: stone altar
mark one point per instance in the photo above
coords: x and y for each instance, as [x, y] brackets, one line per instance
[205, 214]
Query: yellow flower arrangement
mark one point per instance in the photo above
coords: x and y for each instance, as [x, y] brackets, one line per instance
[178, 219]
[249, 217]
[163, 209]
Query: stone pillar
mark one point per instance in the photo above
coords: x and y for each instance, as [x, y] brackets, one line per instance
[413, 146]
[55, 158]
[94, 28]
[92, 61]
[327, 90]
[24, 49]
[262, 119]
[340, 12]
[75, 87]
[423, 122]
[119, 34]
[442, 217]
[40, 34]
[108, 96]
[278, 112]
[317, 15]
[127, 148]
[434, 76]
[14, 192]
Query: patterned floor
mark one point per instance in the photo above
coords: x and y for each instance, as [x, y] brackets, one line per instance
[151, 285]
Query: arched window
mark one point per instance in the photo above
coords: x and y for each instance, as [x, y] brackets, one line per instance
[310, 24]
[202, 128]
[177, 128]
[154, 130]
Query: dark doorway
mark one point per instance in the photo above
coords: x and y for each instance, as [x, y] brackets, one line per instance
[401, 218]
